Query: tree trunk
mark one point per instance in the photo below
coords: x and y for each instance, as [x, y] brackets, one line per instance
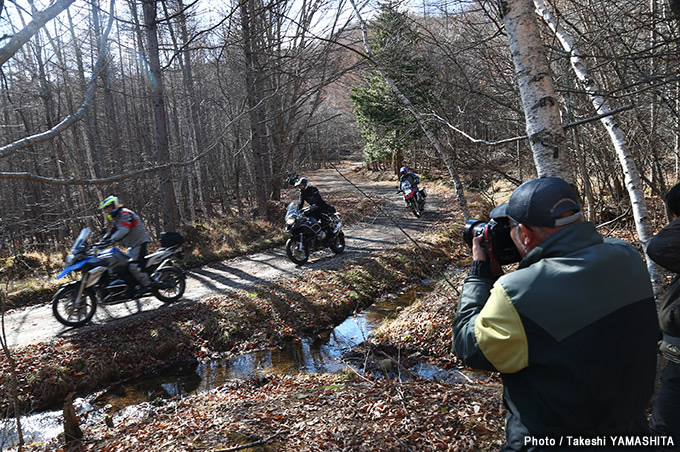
[255, 96]
[633, 181]
[113, 128]
[169, 203]
[89, 130]
[189, 85]
[541, 110]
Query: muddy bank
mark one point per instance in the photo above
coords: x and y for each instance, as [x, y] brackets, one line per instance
[339, 411]
[313, 413]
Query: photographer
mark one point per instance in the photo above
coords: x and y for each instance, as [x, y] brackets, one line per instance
[664, 249]
[573, 330]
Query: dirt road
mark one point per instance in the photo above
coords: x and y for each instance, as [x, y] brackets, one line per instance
[384, 230]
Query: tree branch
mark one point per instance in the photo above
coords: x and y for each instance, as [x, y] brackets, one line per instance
[39, 19]
[11, 148]
[106, 180]
[523, 137]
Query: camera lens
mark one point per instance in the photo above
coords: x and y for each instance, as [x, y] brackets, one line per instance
[473, 228]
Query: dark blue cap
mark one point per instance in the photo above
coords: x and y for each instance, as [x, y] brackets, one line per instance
[541, 202]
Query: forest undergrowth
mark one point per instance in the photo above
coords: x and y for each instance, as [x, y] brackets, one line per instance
[341, 411]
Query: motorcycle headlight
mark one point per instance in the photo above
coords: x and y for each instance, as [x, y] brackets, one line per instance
[69, 259]
[290, 221]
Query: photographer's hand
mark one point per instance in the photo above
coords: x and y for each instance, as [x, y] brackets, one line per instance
[479, 254]
[478, 251]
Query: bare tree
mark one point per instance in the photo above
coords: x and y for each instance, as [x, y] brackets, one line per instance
[39, 19]
[601, 105]
[168, 201]
[256, 96]
[534, 76]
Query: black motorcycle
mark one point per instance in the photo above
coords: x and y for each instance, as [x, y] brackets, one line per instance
[307, 234]
[105, 278]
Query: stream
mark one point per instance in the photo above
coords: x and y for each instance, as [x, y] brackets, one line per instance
[321, 354]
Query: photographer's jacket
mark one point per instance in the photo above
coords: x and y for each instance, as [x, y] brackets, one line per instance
[573, 331]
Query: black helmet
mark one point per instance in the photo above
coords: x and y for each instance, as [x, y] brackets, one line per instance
[302, 182]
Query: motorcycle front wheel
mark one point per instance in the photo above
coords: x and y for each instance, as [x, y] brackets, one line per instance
[69, 312]
[170, 285]
[414, 208]
[337, 245]
[295, 254]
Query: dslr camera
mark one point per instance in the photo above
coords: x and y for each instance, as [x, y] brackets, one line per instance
[497, 242]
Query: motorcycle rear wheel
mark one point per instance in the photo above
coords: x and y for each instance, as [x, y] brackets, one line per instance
[171, 283]
[65, 309]
[337, 245]
[295, 254]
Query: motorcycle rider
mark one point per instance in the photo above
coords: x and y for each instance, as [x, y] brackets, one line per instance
[412, 178]
[126, 225]
[318, 206]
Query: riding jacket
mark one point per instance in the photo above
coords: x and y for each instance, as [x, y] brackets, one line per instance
[311, 194]
[412, 178]
[127, 226]
[573, 333]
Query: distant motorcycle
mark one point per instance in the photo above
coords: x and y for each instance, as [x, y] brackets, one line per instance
[105, 277]
[307, 234]
[415, 199]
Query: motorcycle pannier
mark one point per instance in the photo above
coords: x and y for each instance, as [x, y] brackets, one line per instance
[171, 239]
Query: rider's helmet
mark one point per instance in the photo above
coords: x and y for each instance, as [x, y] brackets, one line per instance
[111, 201]
[302, 183]
[403, 170]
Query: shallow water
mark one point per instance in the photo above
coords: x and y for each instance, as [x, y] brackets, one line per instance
[321, 354]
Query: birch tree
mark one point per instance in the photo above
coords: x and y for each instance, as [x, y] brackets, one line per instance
[256, 96]
[534, 77]
[626, 160]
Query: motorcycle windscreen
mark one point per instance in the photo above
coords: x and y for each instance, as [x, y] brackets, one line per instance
[81, 239]
[292, 211]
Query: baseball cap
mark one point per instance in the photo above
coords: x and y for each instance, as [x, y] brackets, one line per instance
[540, 202]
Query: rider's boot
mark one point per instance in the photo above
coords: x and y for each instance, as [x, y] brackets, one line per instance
[140, 292]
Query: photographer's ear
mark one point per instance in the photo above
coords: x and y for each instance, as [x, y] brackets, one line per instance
[526, 234]
[523, 237]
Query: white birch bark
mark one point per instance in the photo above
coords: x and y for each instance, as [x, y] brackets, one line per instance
[458, 185]
[630, 170]
[543, 122]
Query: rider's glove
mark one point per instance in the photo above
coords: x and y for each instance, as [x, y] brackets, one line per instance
[106, 242]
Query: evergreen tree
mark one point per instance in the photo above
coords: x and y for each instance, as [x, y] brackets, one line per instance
[384, 123]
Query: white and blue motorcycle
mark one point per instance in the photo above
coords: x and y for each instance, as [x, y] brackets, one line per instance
[105, 277]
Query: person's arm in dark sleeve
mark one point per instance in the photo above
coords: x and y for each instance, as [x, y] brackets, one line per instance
[664, 248]
[301, 201]
[488, 332]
